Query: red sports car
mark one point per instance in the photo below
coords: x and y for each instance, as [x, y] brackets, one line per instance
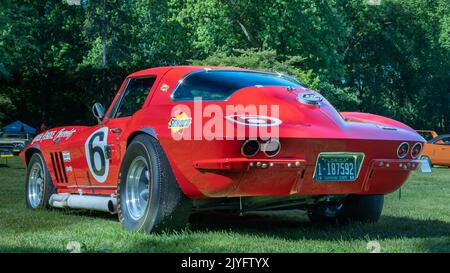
[184, 139]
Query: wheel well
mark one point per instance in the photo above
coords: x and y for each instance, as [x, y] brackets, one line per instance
[29, 153]
[144, 131]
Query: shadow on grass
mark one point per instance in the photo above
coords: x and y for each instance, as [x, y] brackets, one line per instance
[289, 226]
[434, 232]
[89, 214]
[293, 228]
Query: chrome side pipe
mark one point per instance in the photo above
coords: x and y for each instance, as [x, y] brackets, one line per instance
[90, 202]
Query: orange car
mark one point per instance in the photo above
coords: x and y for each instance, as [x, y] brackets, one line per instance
[437, 150]
[427, 134]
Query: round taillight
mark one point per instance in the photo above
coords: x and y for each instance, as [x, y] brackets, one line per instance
[250, 148]
[416, 149]
[403, 150]
[271, 148]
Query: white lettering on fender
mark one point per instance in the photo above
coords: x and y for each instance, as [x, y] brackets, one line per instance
[53, 135]
[65, 133]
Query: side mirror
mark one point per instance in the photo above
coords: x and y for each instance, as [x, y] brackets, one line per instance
[99, 112]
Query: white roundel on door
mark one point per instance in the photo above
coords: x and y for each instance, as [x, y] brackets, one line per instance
[95, 148]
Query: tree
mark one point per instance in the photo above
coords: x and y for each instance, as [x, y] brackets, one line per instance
[397, 60]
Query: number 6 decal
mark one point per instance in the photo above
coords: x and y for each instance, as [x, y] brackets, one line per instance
[95, 154]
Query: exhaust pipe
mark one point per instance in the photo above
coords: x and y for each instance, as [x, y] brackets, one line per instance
[90, 202]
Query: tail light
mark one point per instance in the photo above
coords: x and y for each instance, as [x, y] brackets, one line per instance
[403, 150]
[416, 149]
[271, 148]
[250, 148]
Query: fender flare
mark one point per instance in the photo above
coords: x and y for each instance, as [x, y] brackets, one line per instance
[26, 154]
[145, 130]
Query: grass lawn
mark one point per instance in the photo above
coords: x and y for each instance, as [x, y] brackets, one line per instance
[418, 222]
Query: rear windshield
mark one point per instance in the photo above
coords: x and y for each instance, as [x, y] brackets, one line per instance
[221, 84]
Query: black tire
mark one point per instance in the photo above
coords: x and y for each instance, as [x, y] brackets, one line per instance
[361, 208]
[46, 189]
[167, 207]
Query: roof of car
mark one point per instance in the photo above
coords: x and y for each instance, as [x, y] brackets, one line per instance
[439, 137]
[187, 68]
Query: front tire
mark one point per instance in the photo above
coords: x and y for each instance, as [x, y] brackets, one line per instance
[149, 197]
[361, 208]
[39, 186]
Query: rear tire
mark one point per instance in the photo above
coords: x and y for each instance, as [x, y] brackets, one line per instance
[361, 208]
[39, 186]
[149, 197]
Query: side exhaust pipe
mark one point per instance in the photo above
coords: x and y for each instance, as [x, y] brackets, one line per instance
[90, 202]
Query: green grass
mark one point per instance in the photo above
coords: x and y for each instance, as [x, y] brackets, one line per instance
[418, 222]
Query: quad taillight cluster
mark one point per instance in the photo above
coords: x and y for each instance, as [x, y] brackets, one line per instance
[252, 147]
[416, 150]
[404, 149]
[271, 148]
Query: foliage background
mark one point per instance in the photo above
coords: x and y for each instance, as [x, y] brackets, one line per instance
[391, 59]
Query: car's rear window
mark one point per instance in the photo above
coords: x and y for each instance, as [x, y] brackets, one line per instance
[221, 84]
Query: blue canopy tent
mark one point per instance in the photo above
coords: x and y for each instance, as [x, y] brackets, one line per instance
[19, 127]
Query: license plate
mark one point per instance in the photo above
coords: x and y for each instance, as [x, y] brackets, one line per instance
[338, 167]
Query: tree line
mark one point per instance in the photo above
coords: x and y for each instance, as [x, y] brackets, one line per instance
[391, 59]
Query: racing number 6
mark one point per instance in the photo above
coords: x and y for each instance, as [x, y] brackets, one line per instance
[95, 154]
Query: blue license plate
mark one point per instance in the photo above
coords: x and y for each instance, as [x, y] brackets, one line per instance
[338, 167]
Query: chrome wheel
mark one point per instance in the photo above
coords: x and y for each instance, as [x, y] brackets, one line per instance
[137, 187]
[35, 184]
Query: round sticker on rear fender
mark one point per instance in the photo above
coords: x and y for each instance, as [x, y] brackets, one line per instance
[96, 155]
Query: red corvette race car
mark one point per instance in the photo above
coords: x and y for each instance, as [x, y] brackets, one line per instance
[177, 140]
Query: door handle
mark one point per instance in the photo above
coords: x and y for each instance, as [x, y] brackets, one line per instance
[116, 130]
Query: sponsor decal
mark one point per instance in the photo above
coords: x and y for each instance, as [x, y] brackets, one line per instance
[66, 156]
[165, 87]
[95, 149]
[69, 169]
[254, 120]
[179, 122]
[54, 135]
